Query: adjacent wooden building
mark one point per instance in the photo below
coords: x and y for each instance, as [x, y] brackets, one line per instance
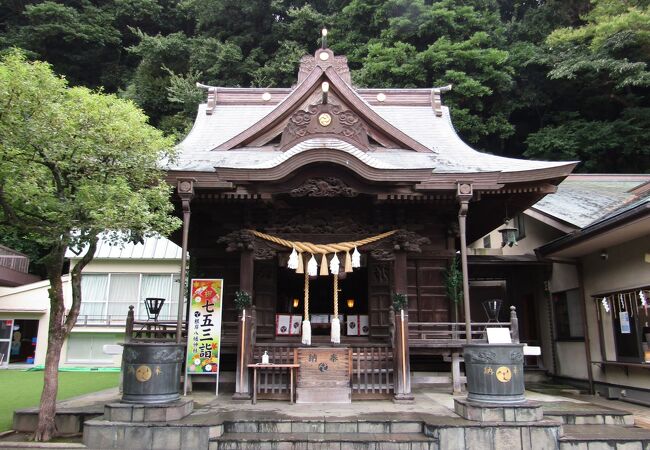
[324, 162]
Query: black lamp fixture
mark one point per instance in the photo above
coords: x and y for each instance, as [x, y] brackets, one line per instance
[492, 309]
[508, 233]
[154, 306]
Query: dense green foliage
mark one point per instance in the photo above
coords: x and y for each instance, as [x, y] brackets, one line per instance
[74, 163]
[550, 79]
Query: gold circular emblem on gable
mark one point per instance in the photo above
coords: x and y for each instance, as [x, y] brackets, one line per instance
[324, 119]
[324, 56]
[503, 374]
[143, 373]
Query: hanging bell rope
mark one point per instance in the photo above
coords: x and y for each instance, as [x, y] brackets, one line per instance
[336, 323]
[306, 325]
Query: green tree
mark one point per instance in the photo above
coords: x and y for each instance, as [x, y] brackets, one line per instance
[602, 69]
[425, 44]
[74, 163]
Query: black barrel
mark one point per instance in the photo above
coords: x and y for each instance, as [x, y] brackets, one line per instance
[495, 373]
[152, 372]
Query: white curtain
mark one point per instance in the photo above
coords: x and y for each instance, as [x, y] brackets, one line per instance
[93, 295]
[123, 292]
[173, 305]
[157, 286]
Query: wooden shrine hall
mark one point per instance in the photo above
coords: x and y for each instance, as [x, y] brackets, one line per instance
[325, 163]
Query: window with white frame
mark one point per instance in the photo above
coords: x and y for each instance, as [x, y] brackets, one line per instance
[106, 297]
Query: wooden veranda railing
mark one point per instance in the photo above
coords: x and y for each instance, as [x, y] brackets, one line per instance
[274, 383]
[449, 337]
[372, 372]
[453, 334]
[165, 330]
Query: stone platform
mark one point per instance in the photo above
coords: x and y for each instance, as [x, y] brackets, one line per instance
[429, 423]
[133, 412]
[528, 411]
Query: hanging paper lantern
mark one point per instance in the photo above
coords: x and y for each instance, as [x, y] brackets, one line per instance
[293, 260]
[644, 300]
[605, 304]
[334, 265]
[356, 258]
[312, 267]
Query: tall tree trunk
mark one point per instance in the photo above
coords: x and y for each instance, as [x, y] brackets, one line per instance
[46, 428]
[59, 329]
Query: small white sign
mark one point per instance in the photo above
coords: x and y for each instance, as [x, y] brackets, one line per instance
[625, 322]
[498, 336]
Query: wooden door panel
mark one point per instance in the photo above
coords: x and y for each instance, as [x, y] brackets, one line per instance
[265, 292]
[428, 300]
[380, 281]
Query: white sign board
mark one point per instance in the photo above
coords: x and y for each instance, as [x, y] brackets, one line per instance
[498, 336]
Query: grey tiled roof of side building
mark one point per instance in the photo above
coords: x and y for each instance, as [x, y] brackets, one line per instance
[584, 199]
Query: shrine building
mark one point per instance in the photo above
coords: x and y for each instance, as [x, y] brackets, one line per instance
[324, 163]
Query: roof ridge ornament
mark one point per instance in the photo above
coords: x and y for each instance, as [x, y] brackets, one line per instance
[436, 98]
[212, 97]
[324, 58]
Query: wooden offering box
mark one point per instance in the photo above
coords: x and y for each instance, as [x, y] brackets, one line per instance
[324, 375]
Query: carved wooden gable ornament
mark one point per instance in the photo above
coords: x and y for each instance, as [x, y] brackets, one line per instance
[325, 120]
[301, 116]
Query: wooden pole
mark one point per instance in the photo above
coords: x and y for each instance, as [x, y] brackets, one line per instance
[186, 192]
[585, 325]
[242, 346]
[245, 327]
[464, 194]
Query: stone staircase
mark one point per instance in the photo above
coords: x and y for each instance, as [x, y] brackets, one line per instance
[604, 437]
[591, 427]
[324, 434]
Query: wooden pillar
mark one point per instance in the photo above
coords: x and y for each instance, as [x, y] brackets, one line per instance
[245, 342]
[185, 189]
[585, 326]
[246, 265]
[245, 328]
[402, 371]
[464, 194]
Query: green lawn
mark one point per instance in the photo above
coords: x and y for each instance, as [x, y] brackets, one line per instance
[20, 389]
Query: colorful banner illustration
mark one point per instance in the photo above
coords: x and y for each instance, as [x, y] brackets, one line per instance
[204, 327]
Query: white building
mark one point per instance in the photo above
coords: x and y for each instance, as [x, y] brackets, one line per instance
[118, 276]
